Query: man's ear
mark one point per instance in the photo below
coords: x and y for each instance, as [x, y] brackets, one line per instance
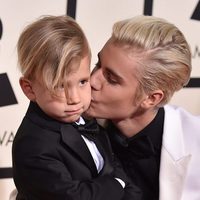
[26, 86]
[153, 99]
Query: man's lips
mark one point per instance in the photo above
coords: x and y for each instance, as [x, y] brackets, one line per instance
[93, 101]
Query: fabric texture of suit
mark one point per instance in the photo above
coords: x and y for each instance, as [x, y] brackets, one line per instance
[52, 162]
[180, 160]
[178, 174]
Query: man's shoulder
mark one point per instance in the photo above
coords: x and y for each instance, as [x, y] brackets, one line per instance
[180, 117]
[181, 112]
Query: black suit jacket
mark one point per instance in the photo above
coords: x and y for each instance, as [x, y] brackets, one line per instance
[52, 162]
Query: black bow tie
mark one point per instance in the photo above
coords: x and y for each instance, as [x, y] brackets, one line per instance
[89, 129]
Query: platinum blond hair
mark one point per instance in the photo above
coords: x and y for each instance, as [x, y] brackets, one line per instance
[161, 50]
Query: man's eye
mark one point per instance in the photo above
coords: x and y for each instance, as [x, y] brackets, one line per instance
[110, 79]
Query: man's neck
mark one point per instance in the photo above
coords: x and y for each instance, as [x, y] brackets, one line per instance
[131, 126]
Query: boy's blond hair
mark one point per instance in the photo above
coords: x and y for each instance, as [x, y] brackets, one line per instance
[50, 47]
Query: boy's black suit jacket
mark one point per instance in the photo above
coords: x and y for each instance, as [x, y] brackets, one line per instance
[52, 162]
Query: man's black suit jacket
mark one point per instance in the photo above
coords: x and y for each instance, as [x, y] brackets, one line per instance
[52, 162]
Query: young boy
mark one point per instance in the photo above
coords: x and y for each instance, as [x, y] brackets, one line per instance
[53, 158]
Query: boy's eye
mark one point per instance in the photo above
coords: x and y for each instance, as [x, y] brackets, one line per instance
[83, 82]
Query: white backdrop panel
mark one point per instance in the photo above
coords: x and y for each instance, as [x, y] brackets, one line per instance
[14, 15]
[96, 18]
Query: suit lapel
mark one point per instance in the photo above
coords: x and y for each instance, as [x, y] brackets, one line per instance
[72, 138]
[105, 149]
[172, 176]
[174, 159]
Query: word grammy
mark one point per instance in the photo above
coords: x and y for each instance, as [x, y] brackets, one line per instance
[196, 52]
[148, 10]
[6, 138]
[1, 29]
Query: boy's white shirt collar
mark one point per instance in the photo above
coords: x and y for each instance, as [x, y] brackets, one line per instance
[81, 121]
[96, 155]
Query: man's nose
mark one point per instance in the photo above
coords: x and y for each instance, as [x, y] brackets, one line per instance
[96, 79]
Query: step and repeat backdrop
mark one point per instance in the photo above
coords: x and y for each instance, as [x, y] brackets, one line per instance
[96, 18]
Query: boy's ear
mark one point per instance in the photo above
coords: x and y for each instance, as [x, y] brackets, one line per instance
[153, 99]
[26, 86]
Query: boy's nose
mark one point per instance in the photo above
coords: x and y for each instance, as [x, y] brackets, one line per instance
[72, 97]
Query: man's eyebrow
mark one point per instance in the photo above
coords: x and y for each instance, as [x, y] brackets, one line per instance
[113, 74]
[108, 70]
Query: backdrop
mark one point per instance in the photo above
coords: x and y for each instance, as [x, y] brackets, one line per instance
[96, 18]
